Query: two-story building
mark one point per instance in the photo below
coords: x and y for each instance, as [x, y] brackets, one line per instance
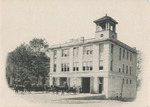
[102, 65]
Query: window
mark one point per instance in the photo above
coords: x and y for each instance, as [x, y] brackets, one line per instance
[76, 66]
[87, 66]
[87, 50]
[64, 67]
[119, 69]
[123, 68]
[65, 52]
[123, 53]
[120, 54]
[55, 53]
[112, 48]
[127, 55]
[130, 56]
[55, 67]
[130, 70]
[111, 66]
[123, 81]
[127, 81]
[127, 69]
[75, 51]
[101, 65]
[130, 81]
[54, 81]
[101, 35]
[101, 48]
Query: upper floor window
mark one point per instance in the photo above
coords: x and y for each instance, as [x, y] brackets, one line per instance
[130, 81]
[76, 66]
[101, 48]
[75, 51]
[120, 54]
[55, 67]
[123, 68]
[88, 50]
[130, 56]
[55, 53]
[127, 81]
[127, 55]
[123, 53]
[127, 69]
[130, 70]
[112, 48]
[87, 66]
[119, 69]
[101, 65]
[111, 66]
[65, 52]
[64, 67]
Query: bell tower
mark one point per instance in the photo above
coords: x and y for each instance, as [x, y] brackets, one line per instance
[106, 28]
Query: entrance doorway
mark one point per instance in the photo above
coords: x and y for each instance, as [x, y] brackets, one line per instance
[100, 84]
[63, 81]
[86, 85]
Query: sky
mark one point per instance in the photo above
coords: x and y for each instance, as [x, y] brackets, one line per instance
[60, 20]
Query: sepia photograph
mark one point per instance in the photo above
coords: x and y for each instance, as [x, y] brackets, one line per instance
[75, 53]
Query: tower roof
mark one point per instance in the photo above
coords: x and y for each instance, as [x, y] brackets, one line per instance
[106, 18]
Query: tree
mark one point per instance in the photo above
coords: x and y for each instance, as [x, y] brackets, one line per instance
[18, 64]
[41, 64]
[28, 63]
[139, 69]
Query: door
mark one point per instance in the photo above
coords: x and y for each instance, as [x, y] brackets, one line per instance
[86, 85]
[63, 81]
[100, 85]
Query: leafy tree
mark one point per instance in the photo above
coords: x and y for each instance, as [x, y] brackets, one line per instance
[41, 61]
[17, 64]
[28, 62]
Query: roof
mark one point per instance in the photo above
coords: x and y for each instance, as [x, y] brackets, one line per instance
[105, 18]
[93, 40]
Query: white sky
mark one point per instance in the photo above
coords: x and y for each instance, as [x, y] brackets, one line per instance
[60, 20]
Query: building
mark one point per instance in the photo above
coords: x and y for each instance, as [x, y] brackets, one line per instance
[102, 65]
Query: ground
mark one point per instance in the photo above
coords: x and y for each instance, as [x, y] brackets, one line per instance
[52, 98]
